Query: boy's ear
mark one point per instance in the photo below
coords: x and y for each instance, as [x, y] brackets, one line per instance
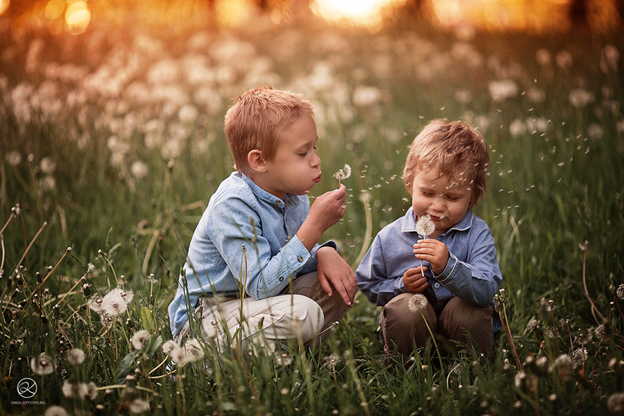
[256, 161]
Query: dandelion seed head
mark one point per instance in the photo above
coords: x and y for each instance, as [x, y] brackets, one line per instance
[42, 364]
[139, 339]
[615, 403]
[55, 411]
[425, 226]
[620, 291]
[417, 302]
[579, 356]
[68, 389]
[343, 173]
[75, 356]
[139, 406]
[332, 360]
[169, 346]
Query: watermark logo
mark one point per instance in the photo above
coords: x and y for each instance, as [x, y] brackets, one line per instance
[27, 388]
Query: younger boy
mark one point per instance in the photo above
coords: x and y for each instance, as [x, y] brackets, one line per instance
[260, 233]
[445, 175]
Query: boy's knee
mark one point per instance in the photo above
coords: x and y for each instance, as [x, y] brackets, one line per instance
[308, 316]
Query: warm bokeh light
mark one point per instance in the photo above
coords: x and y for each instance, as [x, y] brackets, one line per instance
[54, 9]
[77, 17]
[4, 5]
[360, 12]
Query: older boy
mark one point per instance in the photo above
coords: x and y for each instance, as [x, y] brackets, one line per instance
[445, 174]
[259, 233]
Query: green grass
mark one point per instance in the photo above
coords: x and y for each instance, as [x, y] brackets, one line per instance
[549, 192]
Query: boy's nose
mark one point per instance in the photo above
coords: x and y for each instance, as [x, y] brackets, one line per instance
[316, 161]
[437, 204]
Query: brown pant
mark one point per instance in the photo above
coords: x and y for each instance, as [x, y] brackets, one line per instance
[402, 329]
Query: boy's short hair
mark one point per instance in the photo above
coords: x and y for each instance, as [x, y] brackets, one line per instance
[457, 150]
[257, 119]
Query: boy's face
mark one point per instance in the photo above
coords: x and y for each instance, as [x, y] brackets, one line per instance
[445, 202]
[296, 168]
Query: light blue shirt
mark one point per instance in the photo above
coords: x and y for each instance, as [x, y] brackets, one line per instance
[472, 272]
[241, 214]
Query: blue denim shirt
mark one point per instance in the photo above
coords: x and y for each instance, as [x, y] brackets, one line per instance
[240, 213]
[472, 271]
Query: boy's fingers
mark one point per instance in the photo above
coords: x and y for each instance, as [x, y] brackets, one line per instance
[324, 284]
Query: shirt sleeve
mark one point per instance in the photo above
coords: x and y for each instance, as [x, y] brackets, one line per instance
[372, 276]
[477, 279]
[248, 254]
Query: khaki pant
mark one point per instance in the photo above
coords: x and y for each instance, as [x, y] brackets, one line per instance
[300, 313]
[402, 328]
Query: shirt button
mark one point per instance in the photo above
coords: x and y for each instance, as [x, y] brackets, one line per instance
[281, 278]
[278, 203]
[300, 259]
[436, 285]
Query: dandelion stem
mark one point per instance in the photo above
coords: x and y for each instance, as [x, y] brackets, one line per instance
[594, 309]
[368, 232]
[148, 253]
[31, 244]
[435, 344]
[7, 223]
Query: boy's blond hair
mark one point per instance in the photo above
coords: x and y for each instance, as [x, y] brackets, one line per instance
[456, 150]
[258, 118]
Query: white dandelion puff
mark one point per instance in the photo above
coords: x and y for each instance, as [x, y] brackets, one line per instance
[116, 302]
[42, 364]
[140, 339]
[417, 302]
[169, 346]
[343, 173]
[425, 226]
[332, 360]
[75, 356]
[620, 291]
[139, 406]
[55, 411]
[615, 403]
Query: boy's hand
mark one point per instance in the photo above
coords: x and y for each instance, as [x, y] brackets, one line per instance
[326, 211]
[434, 251]
[331, 268]
[414, 281]
[328, 208]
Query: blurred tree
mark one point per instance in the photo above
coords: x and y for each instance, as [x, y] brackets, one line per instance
[578, 13]
[619, 5]
[418, 8]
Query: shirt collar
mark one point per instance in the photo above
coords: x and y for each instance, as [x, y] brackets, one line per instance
[289, 199]
[409, 222]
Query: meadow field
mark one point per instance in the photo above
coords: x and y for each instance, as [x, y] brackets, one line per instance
[111, 144]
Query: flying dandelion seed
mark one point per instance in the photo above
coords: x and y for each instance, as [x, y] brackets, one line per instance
[42, 365]
[139, 339]
[417, 302]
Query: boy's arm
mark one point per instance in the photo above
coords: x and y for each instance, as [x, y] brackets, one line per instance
[475, 280]
[372, 276]
[238, 224]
